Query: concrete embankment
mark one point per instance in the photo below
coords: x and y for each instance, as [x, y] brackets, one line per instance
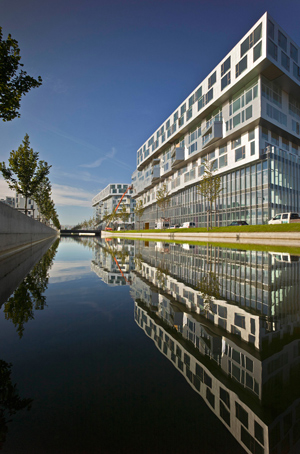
[18, 231]
[267, 238]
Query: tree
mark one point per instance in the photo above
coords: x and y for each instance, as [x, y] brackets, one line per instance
[124, 214]
[26, 172]
[139, 210]
[209, 187]
[163, 198]
[14, 82]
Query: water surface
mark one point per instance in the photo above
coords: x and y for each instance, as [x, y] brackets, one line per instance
[142, 347]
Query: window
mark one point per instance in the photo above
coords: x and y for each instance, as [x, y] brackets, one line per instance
[265, 135]
[251, 135]
[239, 320]
[236, 120]
[272, 49]
[276, 115]
[189, 114]
[248, 112]
[212, 80]
[282, 41]
[285, 144]
[235, 143]
[223, 161]
[225, 81]
[225, 66]
[285, 61]
[252, 148]
[182, 109]
[222, 150]
[270, 29]
[257, 51]
[175, 117]
[239, 154]
[252, 39]
[259, 432]
[296, 71]
[241, 66]
[198, 93]
[275, 138]
[241, 414]
[294, 52]
[191, 101]
[209, 96]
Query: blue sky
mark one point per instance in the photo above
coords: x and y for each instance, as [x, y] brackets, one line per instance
[112, 71]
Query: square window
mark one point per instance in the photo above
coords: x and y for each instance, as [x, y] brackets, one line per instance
[282, 41]
[257, 52]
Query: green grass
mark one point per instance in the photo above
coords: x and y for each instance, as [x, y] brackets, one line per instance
[245, 228]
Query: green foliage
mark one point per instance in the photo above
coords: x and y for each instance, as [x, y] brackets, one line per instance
[209, 186]
[29, 296]
[139, 210]
[10, 401]
[124, 214]
[26, 173]
[163, 198]
[14, 82]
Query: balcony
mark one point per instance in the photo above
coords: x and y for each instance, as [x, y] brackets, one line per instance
[177, 156]
[213, 131]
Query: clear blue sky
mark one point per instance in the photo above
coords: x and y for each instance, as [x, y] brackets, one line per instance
[112, 71]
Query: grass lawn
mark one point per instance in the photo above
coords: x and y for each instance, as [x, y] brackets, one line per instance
[295, 227]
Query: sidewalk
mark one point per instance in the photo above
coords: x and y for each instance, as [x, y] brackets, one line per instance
[267, 238]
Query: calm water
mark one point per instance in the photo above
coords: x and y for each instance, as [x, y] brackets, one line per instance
[123, 347]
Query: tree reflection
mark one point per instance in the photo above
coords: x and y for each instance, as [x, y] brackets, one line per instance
[209, 287]
[10, 401]
[29, 296]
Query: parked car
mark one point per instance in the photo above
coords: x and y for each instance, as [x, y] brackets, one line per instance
[174, 226]
[239, 223]
[108, 228]
[121, 228]
[285, 218]
[187, 225]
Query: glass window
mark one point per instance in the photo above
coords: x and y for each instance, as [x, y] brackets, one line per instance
[259, 432]
[251, 135]
[252, 148]
[198, 93]
[191, 100]
[275, 138]
[294, 52]
[183, 109]
[235, 143]
[257, 51]
[285, 144]
[225, 81]
[175, 116]
[225, 66]
[252, 39]
[241, 66]
[239, 154]
[248, 112]
[270, 29]
[296, 71]
[285, 61]
[212, 79]
[282, 41]
[222, 150]
[236, 120]
[272, 49]
[223, 161]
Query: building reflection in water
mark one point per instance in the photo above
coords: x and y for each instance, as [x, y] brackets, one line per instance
[113, 261]
[228, 320]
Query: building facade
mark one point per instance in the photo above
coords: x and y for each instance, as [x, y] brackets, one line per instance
[32, 208]
[106, 201]
[244, 118]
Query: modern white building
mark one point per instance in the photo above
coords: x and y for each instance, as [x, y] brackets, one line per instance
[32, 208]
[245, 118]
[106, 201]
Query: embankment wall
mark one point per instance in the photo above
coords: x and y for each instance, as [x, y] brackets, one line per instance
[18, 230]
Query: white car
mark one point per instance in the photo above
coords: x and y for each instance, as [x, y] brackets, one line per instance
[285, 218]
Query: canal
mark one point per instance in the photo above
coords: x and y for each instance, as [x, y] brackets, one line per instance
[116, 346]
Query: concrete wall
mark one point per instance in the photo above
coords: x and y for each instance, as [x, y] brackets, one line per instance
[18, 230]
